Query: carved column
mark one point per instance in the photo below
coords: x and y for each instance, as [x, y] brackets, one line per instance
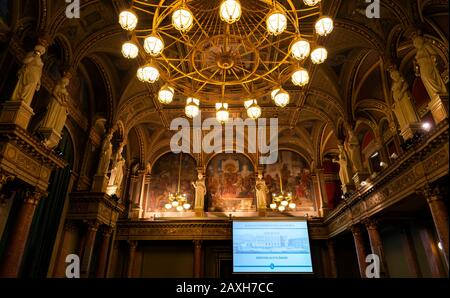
[360, 249]
[12, 258]
[332, 258]
[198, 258]
[131, 255]
[410, 252]
[103, 257]
[440, 216]
[91, 233]
[376, 245]
[320, 180]
[66, 248]
[431, 252]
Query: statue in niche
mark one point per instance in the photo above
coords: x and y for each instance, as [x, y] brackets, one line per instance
[105, 156]
[403, 108]
[344, 173]
[426, 60]
[261, 192]
[354, 151]
[117, 171]
[200, 191]
[56, 114]
[29, 76]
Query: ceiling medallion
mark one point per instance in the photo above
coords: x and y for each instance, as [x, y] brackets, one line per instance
[234, 49]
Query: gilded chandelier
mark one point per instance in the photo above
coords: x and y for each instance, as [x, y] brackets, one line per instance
[225, 52]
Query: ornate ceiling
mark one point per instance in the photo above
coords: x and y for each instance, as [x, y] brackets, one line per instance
[351, 87]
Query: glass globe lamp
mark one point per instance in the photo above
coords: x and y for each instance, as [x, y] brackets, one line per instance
[319, 55]
[192, 108]
[128, 20]
[280, 97]
[130, 50]
[324, 26]
[165, 94]
[300, 77]
[276, 22]
[148, 74]
[182, 19]
[300, 49]
[153, 45]
[230, 11]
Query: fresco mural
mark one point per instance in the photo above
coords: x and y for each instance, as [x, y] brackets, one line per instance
[230, 184]
[296, 179]
[165, 180]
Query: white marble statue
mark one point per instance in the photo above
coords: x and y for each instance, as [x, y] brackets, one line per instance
[118, 173]
[56, 114]
[354, 151]
[403, 107]
[200, 192]
[426, 60]
[29, 76]
[261, 192]
[344, 172]
[105, 156]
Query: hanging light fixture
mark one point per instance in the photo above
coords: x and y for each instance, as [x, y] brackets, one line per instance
[230, 11]
[153, 45]
[128, 20]
[311, 2]
[178, 200]
[182, 19]
[300, 49]
[324, 26]
[300, 77]
[282, 201]
[280, 97]
[192, 107]
[319, 55]
[165, 94]
[222, 114]
[253, 110]
[130, 50]
[276, 22]
[148, 74]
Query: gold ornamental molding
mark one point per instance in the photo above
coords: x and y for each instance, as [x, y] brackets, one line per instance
[94, 206]
[195, 229]
[423, 164]
[23, 156]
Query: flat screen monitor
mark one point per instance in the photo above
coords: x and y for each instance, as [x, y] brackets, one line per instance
[271, 246]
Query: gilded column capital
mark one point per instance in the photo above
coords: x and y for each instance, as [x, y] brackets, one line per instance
[34, 196]
[430, 193]
[92, 224]
[70, 226]
[197, 243]
[133, 244]
[371, 223]
[356, 230]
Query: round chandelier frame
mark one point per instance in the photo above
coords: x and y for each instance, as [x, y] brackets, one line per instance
[214, 60]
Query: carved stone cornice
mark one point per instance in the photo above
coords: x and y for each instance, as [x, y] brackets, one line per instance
[424, 163]
[98, 207]
[25, 157]
[191, 230]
